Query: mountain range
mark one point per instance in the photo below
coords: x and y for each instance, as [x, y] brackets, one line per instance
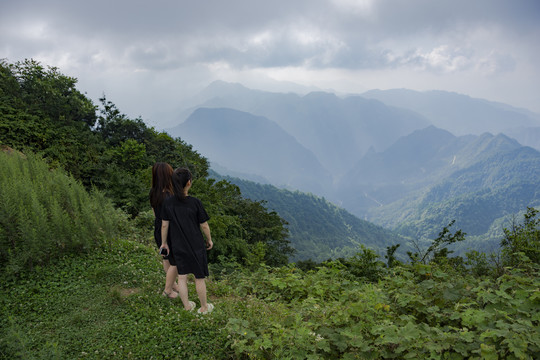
[461, 115]
[246, 143]
[402, 159]
[333, 128]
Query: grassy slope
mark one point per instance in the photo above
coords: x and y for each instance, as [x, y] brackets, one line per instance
[101, 305]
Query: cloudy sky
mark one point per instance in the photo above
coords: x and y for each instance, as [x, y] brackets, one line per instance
[148, 57]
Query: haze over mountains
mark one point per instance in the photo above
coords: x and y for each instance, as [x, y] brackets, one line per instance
[385, 156]
[334, 129]
[462, 115]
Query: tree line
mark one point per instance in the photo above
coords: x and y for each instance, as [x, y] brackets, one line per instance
[43, 113]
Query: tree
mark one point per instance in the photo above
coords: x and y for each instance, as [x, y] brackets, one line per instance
[438, 248]
[521, 243]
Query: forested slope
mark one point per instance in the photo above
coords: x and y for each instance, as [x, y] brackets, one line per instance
[319, 229]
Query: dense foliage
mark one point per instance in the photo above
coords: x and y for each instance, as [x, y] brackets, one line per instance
[42, 112]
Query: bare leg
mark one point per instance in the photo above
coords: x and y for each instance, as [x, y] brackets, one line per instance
[200, 286]
[166, 265]
[169, 280]
[183, 291]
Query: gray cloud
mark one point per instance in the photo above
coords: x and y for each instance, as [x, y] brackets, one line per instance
[169, 37]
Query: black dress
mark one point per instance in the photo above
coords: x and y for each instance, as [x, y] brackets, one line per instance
[187, 248]
[157, 227]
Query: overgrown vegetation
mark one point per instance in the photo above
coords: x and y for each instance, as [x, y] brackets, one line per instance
[45, 214]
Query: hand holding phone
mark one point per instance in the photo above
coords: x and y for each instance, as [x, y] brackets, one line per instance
[163, 251]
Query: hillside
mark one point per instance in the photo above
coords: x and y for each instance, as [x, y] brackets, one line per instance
[108, 304]
[482, 197]
[415, 163]
[318, 229]
[241, 142]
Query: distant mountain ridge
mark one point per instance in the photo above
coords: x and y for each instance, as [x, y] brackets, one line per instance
[393, 166]
[347, 126]
[461, 115]
[415, 161]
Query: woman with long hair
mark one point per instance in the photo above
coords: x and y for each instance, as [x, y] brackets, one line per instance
[186, 221]
[162, 189]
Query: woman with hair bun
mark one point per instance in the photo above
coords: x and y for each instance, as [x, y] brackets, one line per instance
[186, 222]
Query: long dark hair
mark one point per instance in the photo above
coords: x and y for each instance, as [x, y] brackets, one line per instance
[180, 178]
[161, 183]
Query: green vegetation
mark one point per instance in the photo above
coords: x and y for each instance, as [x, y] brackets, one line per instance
[82, 278]
[45, 214]
[107, 304]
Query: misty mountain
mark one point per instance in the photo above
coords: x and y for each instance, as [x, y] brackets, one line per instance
[381, 163]
[318, 229]
[244, 143]
[415, 162]
[461, 114]
[337, 130]
[496, 179]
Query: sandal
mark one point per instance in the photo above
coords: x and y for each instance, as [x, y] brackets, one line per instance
[192, 306]
[164, 293]
[209, 308]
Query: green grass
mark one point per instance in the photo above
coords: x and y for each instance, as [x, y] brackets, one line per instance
[103, 305]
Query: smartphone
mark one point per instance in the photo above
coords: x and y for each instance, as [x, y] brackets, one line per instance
[163, 251]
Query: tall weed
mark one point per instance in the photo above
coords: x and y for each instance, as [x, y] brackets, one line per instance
[44, 214]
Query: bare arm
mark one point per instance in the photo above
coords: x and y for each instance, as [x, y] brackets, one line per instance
[164, 233]
[205, 228]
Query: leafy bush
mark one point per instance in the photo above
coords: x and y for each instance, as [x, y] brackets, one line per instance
[415, 312]
[45, 214]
